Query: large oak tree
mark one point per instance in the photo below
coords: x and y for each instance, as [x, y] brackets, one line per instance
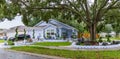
[89, 11]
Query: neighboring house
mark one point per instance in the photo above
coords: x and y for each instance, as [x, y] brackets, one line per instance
[103, 34]
[29, 30]
[52, 29]
[11, 32]
[2, 33]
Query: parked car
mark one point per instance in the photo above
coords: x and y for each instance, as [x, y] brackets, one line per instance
[20, 37]
[11, 38]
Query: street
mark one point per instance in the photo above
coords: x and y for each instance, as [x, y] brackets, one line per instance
[4, 54]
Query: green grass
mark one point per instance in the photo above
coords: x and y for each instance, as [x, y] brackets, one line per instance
[53, 43]
[115, 38]
[10, 43]
[2, 41]
[71, 54]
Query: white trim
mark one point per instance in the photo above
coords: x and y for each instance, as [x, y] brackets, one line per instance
[39, 23]
[95, 47]
[63, 24]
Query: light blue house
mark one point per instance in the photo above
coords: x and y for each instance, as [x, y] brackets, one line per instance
[51, 30]
[54, 29]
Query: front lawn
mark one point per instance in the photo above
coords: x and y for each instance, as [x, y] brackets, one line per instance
[53, 43]
[2, 41]
[71, 54]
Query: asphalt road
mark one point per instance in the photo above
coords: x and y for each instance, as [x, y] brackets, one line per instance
[5, 54]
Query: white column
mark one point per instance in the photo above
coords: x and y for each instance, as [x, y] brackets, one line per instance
[60, 32]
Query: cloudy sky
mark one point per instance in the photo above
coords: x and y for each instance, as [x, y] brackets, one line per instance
[8, 24]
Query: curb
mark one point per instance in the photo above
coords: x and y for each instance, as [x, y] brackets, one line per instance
[37, 55]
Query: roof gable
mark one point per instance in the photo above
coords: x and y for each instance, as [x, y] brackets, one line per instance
[60, 24]
[41, 23]
[55, 23]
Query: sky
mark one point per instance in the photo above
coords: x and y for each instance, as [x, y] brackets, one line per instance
[6, 24]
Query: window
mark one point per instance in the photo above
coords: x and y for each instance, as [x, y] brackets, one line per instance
[50, 33]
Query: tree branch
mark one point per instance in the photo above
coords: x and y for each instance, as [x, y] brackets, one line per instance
[82, 6]
[87, 11]
[77, 11]
[111, 5]
[78, 14]
[94, 8]
[24, 3]
[73, 5]
[97, 16]
[115, 8]
[48, 8]
[108, 8]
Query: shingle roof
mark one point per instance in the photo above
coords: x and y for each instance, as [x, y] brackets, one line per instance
[21, 28]
[56, 23]
[60, 24]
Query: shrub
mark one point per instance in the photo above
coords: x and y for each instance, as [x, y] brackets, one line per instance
[74, 36]
[105, 43]
[87, 35]
[10, 43]
[78, 43]
[100, 39]
[108, 38]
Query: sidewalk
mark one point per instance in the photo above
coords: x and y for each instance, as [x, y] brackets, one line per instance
[78, 48]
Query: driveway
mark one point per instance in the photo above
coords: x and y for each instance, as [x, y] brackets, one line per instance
[5, 54]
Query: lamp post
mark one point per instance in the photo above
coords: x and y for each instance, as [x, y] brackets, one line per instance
[24, 35]
[5, 38]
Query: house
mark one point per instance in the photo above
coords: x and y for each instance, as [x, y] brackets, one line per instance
[52, 29]
[29, 30]
[2, 33]
[12, 31]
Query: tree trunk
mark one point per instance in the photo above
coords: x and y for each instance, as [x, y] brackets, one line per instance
[92, 30]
